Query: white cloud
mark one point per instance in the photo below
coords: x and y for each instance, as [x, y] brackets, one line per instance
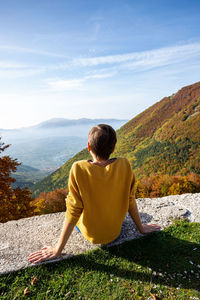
[11, 65]
[112, 64]
[71, 84]
[145, 59]
[62, 85]
[30, 50]
[154, 57]
[100, 75]
[18, 73]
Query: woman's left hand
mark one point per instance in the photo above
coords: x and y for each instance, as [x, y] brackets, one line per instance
[46, 253]
[149, 228]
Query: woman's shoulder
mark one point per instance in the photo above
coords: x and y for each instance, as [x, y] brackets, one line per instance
[123, 160]
[78, 167]
[125, 164]
[80, 164]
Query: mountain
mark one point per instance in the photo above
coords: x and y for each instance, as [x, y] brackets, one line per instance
[56, 127]
[61, 122]
[163, 139]
[48, 145]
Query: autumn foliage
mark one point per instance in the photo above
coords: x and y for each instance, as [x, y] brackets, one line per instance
[50, 202]
[14, 203]
[165, 185]
[148, 187]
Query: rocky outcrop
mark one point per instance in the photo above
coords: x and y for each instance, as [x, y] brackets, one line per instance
[19, 238]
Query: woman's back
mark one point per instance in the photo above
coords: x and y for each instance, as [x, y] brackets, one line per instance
[104, 193]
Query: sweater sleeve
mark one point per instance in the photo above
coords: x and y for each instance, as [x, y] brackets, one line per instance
[73, 201]
[132, 200]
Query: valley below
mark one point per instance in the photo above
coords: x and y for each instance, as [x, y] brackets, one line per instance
[43, 148]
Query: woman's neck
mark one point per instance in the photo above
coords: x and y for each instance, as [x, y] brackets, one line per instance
[99, 161]
[102, 162]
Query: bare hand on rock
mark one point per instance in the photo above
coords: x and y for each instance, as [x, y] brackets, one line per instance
[150, 228]
[46, 253]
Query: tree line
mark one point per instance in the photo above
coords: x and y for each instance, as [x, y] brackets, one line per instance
[16, 203]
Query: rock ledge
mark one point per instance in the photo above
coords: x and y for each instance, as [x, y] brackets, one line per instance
[19, 238]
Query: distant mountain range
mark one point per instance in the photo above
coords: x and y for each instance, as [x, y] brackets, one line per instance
[46, 146]
[61, 122]
[58, 127]
[164, 139]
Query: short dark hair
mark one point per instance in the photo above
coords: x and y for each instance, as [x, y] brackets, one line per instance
[102, 139]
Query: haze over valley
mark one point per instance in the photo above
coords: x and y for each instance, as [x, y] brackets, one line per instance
[46, 146]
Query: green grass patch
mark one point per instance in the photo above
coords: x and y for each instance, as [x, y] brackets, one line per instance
[165, 264]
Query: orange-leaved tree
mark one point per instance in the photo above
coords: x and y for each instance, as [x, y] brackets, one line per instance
[14, 203]
[50, 202]
[159, 185]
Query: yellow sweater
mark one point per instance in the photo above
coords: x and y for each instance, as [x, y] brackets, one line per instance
[99, 198]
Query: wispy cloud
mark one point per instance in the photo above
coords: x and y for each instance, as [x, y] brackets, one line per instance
[145, 59]
[71, 84]
[18, 72]
[111, 64]
[133, 61]
[30, 51]
[100, 75]
[63, 85]
[96, 31]
[11, 65]
[156, 57]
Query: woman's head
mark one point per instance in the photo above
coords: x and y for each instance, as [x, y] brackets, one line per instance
[101, 140]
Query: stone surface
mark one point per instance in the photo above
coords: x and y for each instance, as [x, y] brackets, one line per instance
[19, 238]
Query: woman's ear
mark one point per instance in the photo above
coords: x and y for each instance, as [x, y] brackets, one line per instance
[89, 146]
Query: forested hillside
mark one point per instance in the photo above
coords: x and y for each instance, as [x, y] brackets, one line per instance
[164, 139]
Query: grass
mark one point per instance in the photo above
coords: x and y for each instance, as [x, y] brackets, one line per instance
[165, 265]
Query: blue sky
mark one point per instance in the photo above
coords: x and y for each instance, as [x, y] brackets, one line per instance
[93, 59]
